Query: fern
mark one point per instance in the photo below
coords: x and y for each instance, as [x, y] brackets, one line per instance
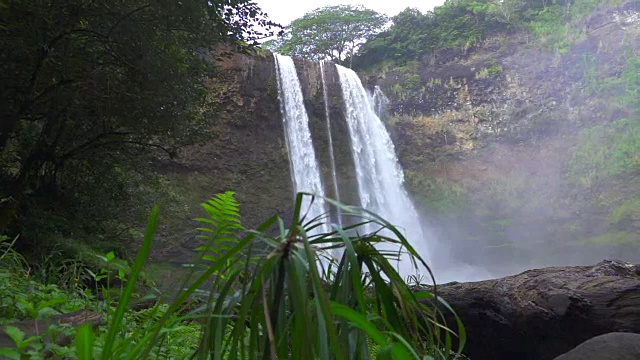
[223, 227]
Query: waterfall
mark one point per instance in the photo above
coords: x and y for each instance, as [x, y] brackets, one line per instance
[380, 102]
[325, 95]
[380, 177]
[305, 172]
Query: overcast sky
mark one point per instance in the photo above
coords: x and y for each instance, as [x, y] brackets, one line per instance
[284, 11]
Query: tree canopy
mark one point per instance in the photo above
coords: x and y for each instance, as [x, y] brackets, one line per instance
[329, 33]
[414, 35]
[89, 88]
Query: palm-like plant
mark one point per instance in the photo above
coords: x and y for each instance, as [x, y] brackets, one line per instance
[276, 293]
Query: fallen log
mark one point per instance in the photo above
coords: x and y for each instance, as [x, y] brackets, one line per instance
[32, 327]
[540, 314]
[37, 327]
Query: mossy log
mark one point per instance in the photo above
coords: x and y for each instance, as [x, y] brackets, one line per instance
[37, 327]
[540, 314]
[74, 319]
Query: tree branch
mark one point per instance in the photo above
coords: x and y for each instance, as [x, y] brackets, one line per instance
[91, 144]
[123, 17]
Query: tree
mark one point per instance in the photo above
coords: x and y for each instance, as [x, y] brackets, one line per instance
[505, 11]
[89, 88]
[331, 33]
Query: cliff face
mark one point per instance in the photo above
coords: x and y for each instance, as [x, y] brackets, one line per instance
[247, 150]
[517, 154]
[521, 155]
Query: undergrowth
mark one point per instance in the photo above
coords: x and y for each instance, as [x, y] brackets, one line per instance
[273, 292]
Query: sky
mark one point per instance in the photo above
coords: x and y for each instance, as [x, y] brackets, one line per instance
[284, 11]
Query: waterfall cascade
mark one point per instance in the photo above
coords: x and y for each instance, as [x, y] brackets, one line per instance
[305, 172]
[379, 175]
[380, 101]
[334, 176]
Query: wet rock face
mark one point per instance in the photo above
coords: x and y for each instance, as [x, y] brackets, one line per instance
[247, 152]
[492, 140]
[540, 314]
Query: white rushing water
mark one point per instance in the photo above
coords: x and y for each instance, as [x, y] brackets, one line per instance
[334, 176]
[305, 172]
[379, 174]
[380, 101]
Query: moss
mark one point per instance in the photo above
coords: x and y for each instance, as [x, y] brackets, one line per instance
[436, 193]
[492, 69]
[606, 151]
[628, 210]
[502, 222]
[613, 238]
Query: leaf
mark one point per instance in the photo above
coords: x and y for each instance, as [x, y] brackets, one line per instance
[15, 334]
[143, 253]
[84, 342]
[110, 256]
[10, 353]
[360, 321]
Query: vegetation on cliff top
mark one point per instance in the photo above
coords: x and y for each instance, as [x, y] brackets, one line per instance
[460, 24]
[329, 33]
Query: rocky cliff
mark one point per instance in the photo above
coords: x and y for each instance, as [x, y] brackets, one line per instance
[523, 154]
[518, 154]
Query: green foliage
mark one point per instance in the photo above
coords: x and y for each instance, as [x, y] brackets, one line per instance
[551, 29]
[606, 150]
[340, 314]
[630, 79]
[94, 93]
[580, 9]
[297, 302]
[331, 32]
[492, 69]
[505, 11]
[415, 35]
[611, 149]
[223, 222]
[629, 210]
[22, 298]
[623, 90]
[413, 82]
[614, 238]
[436, 193]
[459, 24]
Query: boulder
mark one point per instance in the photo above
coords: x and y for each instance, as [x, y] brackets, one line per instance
[540, 314]
[612, 346]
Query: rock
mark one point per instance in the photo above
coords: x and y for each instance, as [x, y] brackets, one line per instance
[612, 346]
[540, 314]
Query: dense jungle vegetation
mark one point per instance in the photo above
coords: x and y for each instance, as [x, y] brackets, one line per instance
[96, 93]
[463, 23]
[93, 94]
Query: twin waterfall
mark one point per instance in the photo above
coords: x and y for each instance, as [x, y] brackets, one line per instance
[305, 171]
[379, 175]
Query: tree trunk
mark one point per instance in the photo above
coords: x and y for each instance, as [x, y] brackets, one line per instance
[540, 314]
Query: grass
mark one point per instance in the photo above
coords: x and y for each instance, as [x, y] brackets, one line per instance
[274, 292]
